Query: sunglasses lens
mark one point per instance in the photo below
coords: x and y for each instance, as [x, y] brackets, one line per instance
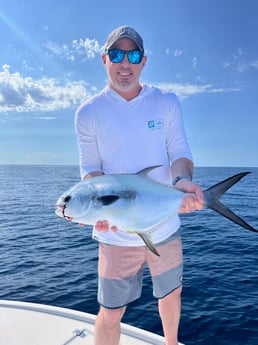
[135, 56]
[116, 55]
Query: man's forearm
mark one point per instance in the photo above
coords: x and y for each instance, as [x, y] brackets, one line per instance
[182, 167]
[93, 174]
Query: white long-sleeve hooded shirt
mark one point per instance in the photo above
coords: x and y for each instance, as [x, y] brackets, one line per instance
[120, 136]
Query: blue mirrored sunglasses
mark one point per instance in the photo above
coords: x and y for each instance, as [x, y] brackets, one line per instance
[117, 55]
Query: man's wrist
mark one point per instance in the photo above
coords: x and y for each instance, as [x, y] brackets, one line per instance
[178, 178]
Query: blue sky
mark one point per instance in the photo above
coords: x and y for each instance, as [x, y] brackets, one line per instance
[205, 51]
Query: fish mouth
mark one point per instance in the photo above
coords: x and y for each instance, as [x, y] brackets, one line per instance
[60, 211]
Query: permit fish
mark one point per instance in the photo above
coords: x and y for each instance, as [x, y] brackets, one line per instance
[135, 203]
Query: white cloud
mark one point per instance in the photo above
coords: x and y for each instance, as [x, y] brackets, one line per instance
[187, 90]
[179, 75]
[254, 64]
[194, 61]
[239, 63]
[226, 64]
[25, 94]
[238, 54]
[178, 52]
[241, 67]
[85, 48]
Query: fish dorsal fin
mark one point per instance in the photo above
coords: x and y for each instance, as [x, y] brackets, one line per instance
[145, 171]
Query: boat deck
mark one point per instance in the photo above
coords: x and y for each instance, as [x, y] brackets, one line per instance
[23, 323]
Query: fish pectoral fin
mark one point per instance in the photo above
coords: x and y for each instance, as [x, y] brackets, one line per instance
[147, 240]
[106, 200]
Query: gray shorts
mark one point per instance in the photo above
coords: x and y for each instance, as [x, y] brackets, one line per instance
[121, 268]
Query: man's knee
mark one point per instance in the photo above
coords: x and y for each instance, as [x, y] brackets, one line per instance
[177, 291]
[111, 316]
[173, 295]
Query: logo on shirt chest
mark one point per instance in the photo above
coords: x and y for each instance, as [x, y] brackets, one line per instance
[156, 124]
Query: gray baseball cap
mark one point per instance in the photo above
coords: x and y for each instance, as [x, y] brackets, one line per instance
[123, 32]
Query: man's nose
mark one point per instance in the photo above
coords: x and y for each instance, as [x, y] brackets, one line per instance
[125, 60]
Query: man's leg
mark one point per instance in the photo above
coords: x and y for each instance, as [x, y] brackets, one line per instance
[167, 272]
[107, 326]
[120, 282]
[169, 310]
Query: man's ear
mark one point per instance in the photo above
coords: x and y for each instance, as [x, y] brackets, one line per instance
[144, 60]
[104, 58]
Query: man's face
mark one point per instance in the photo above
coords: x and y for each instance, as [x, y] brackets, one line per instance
[123, 76]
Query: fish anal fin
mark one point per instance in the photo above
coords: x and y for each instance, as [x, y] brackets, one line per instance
[147, 240]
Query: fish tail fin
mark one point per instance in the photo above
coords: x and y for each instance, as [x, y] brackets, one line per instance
[212, 195]
[146, 239]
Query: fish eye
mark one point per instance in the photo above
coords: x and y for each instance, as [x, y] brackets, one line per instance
[67, 198]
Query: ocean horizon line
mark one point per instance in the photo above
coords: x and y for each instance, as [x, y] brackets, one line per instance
[77, 165]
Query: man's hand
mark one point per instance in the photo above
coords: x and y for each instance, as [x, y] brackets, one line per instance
[102, 225]
[194, 199]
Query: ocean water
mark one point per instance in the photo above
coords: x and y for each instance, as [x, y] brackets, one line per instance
[45, 259]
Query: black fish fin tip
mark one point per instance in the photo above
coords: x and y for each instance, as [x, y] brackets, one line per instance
[147, 240]
[227, 213]
[221, 187]
[211, 200]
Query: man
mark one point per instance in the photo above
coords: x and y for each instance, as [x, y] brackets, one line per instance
[125, 128]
